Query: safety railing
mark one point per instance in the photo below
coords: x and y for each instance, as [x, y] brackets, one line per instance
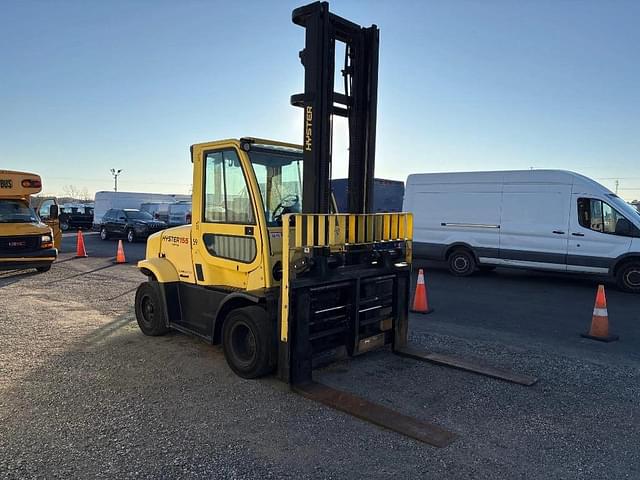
[340, 230]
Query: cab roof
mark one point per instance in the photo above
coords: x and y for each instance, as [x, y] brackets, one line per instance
[14, 184]
[245, 143]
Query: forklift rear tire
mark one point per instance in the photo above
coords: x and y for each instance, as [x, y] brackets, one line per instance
[248, 341]
[150, 309]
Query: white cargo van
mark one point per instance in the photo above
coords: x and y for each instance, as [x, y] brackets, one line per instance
[538, 219]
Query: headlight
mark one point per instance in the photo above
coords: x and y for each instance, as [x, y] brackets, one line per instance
[45, 239]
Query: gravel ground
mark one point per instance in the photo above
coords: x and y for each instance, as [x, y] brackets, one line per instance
[83, 394]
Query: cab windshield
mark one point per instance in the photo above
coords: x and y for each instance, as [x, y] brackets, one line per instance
[278, 171]
[16, 211]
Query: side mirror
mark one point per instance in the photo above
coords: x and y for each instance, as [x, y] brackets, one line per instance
[123, 218]
[53, 212]
[624, 227]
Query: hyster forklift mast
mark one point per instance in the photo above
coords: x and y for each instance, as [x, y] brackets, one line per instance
[358, 104]
[365, 297]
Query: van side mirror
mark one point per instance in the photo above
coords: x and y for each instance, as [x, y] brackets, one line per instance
[53, 212]
[624, 227]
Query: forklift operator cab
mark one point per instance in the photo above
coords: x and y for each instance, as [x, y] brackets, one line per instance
[246, 186]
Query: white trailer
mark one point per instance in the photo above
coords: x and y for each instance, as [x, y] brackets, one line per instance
[107, 200]
[538, 219]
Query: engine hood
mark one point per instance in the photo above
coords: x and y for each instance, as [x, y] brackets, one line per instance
[19, 229]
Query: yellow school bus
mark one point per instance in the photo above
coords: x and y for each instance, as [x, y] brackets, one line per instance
[26, 241]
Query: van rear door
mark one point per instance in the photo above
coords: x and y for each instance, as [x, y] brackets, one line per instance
[534, 225]
[455, 209]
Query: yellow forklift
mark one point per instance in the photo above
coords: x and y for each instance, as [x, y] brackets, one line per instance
[268, 270]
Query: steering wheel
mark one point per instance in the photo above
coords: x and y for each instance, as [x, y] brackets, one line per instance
[287, 202]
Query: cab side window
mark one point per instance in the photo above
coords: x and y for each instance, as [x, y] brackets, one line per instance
[226, 197]
[600, 216]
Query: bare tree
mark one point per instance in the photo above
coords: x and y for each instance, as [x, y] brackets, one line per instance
[84, 195]
[76, 193]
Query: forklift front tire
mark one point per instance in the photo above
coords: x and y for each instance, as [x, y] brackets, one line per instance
[150, 309]
[248, 341]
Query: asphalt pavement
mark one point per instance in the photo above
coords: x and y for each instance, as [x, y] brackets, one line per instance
[83, 394]
[525, 308]
[99, 248]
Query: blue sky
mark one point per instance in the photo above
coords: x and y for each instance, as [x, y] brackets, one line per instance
[464, 85]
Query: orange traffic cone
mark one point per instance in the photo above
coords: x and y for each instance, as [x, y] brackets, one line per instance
[81, 252]
[120, 258]
[420, 301]
[600, 320]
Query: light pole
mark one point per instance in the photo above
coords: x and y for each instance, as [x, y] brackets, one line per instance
[115, 174]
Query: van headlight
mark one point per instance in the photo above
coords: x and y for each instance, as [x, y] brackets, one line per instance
[46, 241]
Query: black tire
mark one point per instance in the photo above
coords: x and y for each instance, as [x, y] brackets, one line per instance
[104, 235]
[462, 263]
[131, 236]
[150, 309]
[628, 277]
[249, 343]
[64, 226]
[43, 269]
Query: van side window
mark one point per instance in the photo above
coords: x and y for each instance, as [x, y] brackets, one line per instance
[226, 191]
[600, 216]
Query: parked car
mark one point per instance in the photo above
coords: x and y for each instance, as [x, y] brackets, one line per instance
[179, 213]
[105, 201]
[76, 216]
[537, 219]
[129, 223]
[159, 210]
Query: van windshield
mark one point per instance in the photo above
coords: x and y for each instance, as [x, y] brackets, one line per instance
[138, 215]
[180, 208]
[630, 212]
[16, 211]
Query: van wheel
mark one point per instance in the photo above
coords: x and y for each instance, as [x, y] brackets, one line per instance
[628, 277]
[248, 341]
[103, 234]
[64, 226]
[150, 309]
[462, 263]
[43, 269]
